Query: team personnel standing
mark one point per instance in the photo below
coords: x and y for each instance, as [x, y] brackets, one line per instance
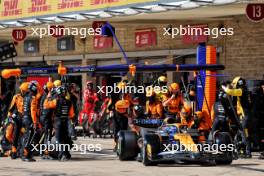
[46, 116]
[16, 112]
[173, 102]
[75, 99]
[90, 95]
[161, 88]
[5, 100]
[259, 112]
[90, 99]
[64, 112]
[219, 115]
[240, 94]
[154, 108]
[29, 120]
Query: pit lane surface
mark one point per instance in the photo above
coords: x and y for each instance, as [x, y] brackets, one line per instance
[105, 162]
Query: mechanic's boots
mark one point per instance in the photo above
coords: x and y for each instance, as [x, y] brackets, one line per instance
[28, 159]
[248, 155]
[139, 157]
[235, 155]
[13, 153]
[261, 156]
[74, 138]
[68, 155]
[245, 154]
[63, 158]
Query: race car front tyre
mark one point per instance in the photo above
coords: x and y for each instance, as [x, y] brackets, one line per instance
[224, 138]
[226, 159]
[127, 147]
[151, 147]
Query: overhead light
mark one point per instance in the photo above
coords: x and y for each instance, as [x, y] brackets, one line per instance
[221, 2]
[114, 12]
[203, 1]
[36, 21]
[141, 9]
[59, 20]
[158, 9]
[13, 24]
[2, 26]
[174, 5]
[45, 20]
[105, 15]
[66, 18]
[189, 5]
[169, 6]
[88, 15]
[19, 24]
[24, 22]
[79, 17]
[130, 11]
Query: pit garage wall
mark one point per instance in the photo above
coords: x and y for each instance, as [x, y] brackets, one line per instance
[242, 53]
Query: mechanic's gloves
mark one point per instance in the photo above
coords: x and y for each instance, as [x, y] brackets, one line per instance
[224, 88]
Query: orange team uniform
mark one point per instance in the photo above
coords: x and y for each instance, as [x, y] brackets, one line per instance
[174, 106]
[154, 110]
[17, 102]
[34, 110]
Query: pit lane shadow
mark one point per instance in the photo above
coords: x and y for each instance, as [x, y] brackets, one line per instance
[241, 166]
[29, 172]
[105, 154]
[96, 158]
[246, 167]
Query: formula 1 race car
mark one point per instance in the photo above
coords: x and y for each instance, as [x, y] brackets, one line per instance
[173, 142]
